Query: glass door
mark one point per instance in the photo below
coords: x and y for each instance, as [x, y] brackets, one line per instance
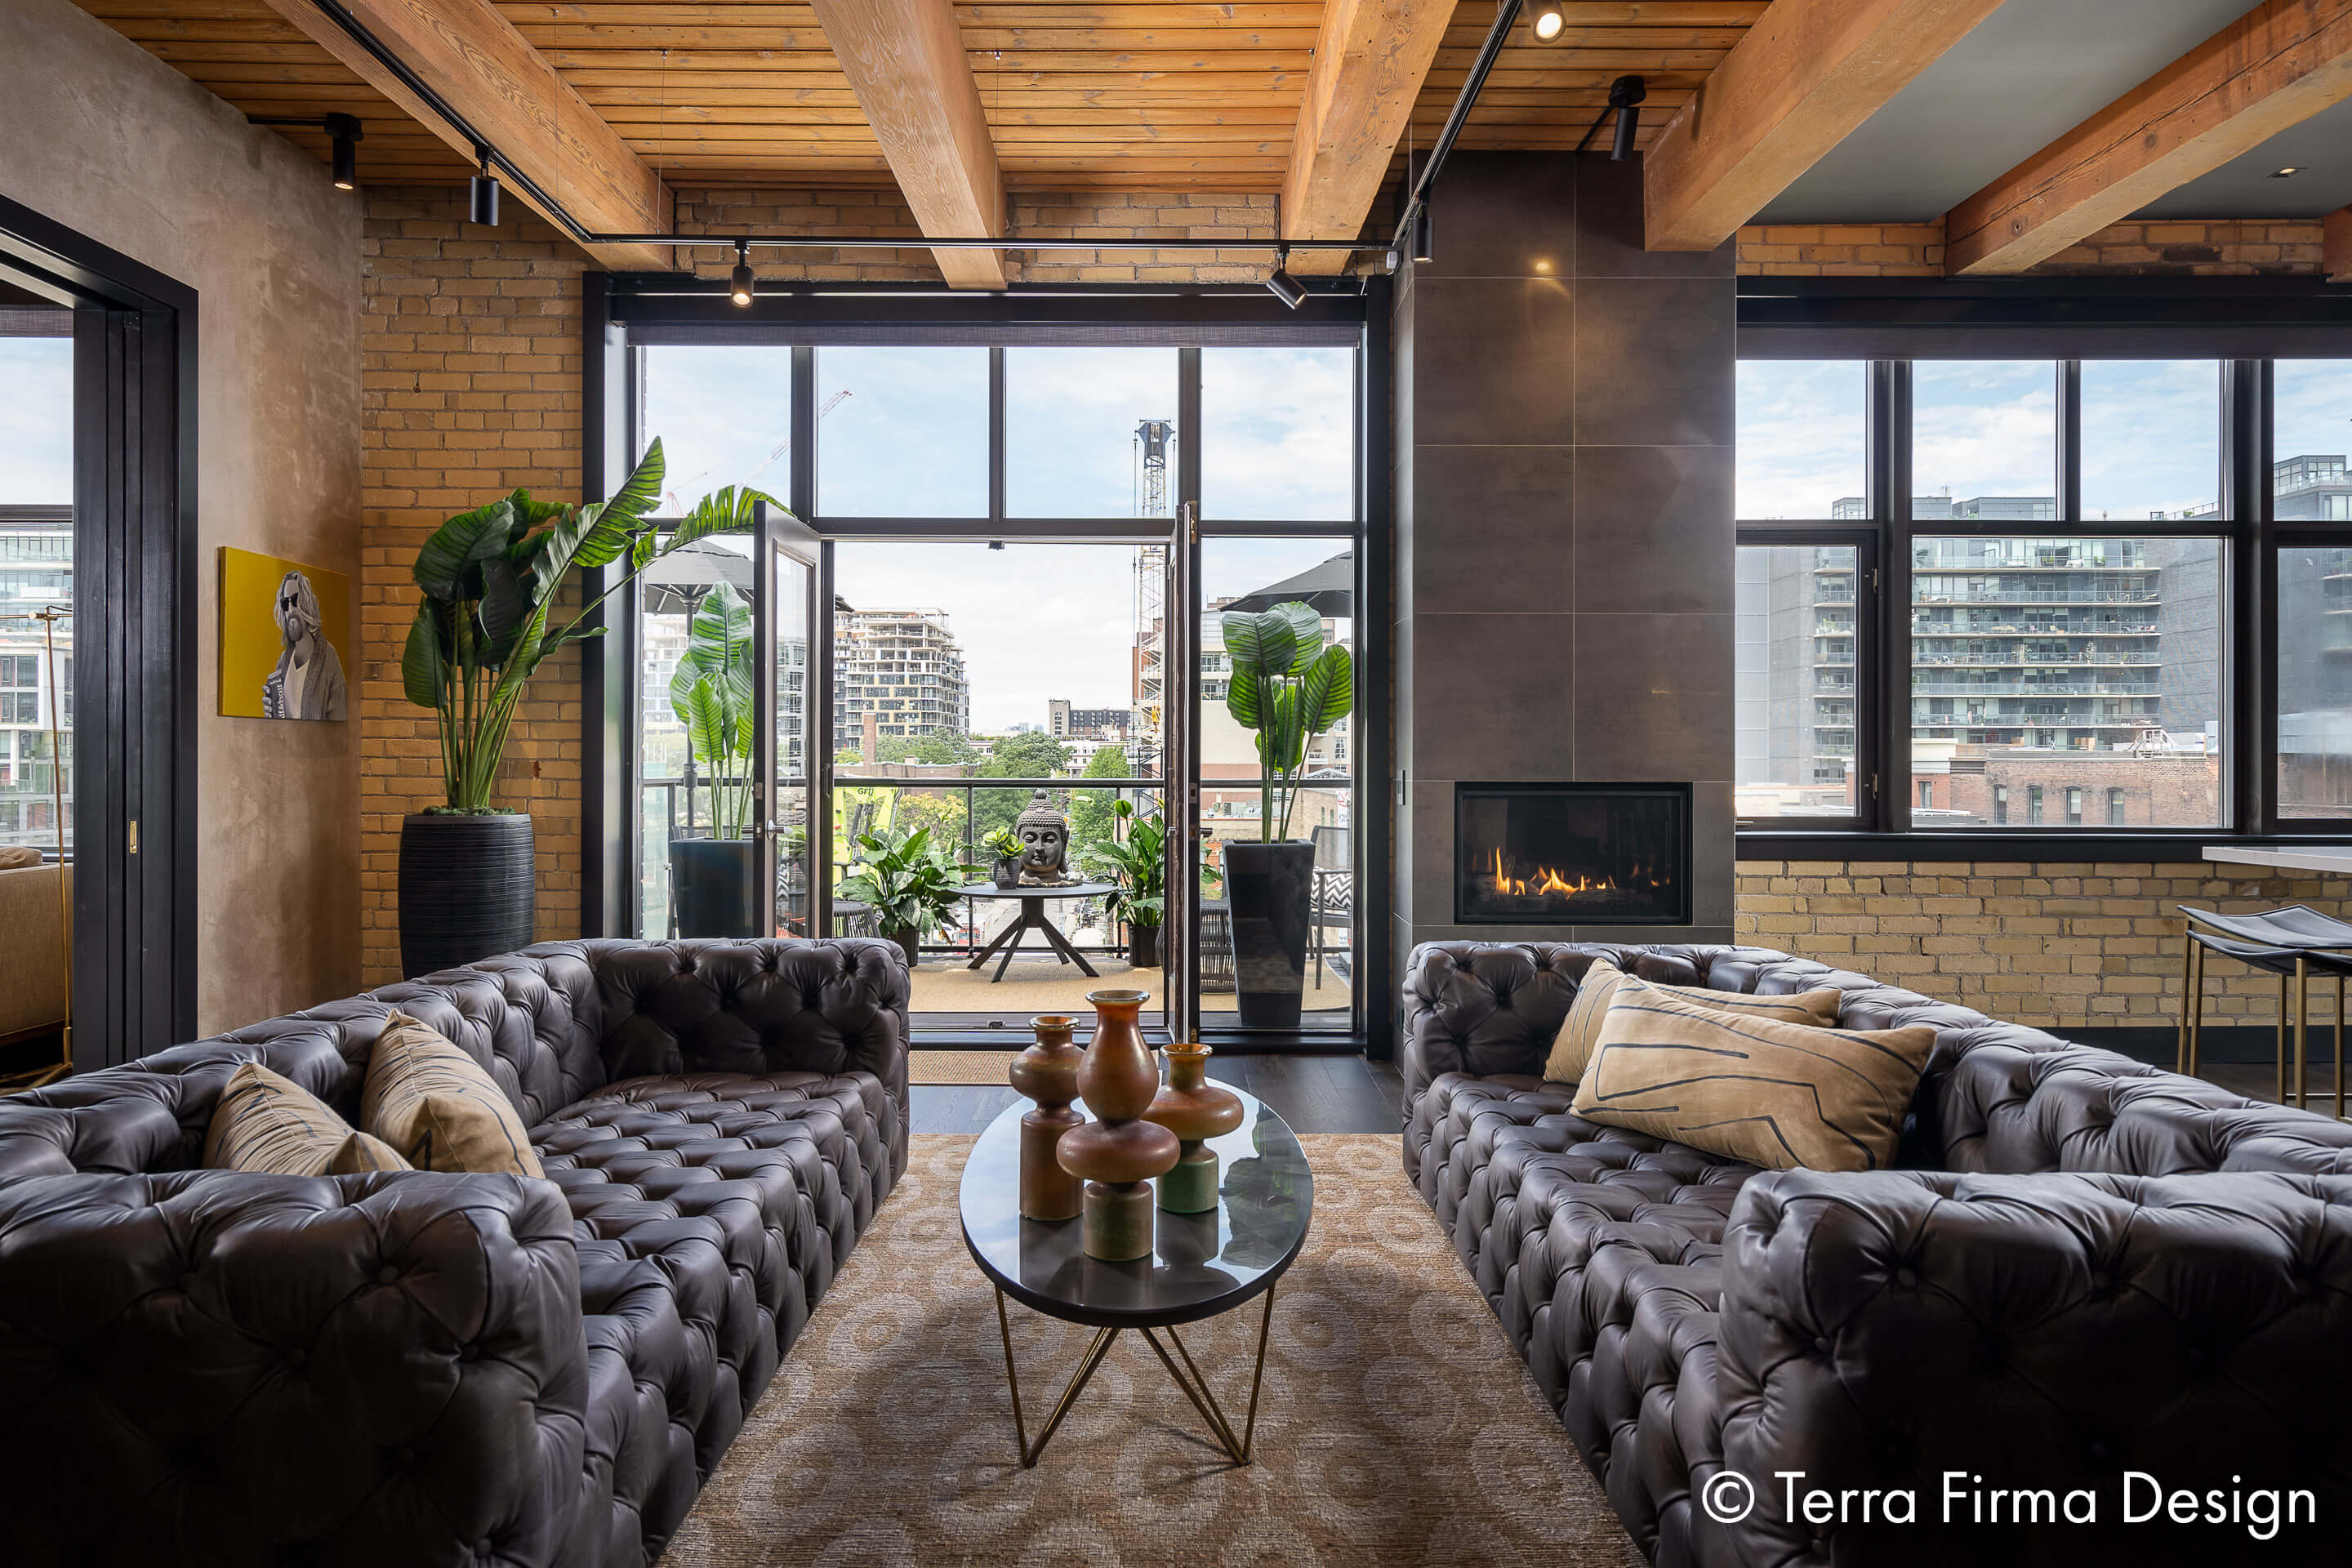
[787, 742]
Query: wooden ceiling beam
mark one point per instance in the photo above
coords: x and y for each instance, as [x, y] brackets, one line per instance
[2273, 68]
[1370, 60]
[471, 56]
[906, 62]
[1796, 85]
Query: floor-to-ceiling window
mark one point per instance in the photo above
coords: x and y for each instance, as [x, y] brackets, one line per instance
[995, 530]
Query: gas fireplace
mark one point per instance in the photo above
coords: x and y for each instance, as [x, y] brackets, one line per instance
[1571, 854]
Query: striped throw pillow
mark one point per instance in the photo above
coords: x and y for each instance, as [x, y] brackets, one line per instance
[265, 1122]
[1571, 1049]
[1779, 1095]
[433, 1103]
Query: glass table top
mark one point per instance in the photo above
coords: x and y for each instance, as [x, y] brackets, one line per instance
[1200, 1264]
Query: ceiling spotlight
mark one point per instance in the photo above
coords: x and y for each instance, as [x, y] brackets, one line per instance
[1424, 240]
[739, 282]
[1550, 22]
[1625, 96]
[485, 205]
[2290, 169]
[344, 129]
[1286, 288]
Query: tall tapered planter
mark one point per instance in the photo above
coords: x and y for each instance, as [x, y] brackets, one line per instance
[468, 889]
[1269, 885]
[714, 884]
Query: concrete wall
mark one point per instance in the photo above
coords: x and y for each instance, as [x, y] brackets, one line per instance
[1564, 409]
[98, 134]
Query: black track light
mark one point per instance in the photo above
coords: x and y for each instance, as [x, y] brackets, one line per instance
[1424, 240]
[1286, 288]
[484, 193]
[1548, 21]
[1625, 96]
[739, 282]
[344, 129]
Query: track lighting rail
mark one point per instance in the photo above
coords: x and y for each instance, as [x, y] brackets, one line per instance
[1411, 225]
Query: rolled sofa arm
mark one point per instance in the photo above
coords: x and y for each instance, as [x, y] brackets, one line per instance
[2041, 1338]
[216, 1366]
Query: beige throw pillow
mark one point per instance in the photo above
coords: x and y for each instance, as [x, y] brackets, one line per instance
[265, 1122]
[17, 856]
[1777, 1095]
[1571, 1049]
[434, 1104]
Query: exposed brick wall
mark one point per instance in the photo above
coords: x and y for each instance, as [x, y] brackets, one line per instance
[2056, 945]
[2176, 248]
[469, 387]
[1843, 249]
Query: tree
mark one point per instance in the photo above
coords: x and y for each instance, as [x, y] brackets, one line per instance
[1012, 757]
[1093, 817]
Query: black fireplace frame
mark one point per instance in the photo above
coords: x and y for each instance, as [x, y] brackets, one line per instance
[1678, 792]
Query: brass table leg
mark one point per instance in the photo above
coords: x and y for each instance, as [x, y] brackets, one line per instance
[1195, 1386]
[2302, 1023]
[2196, 1002]
[2285, 984]
[2339, 1047]
[2187, 1000]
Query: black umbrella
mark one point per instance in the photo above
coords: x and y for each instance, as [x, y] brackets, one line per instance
[677, 583]
[1328, 589]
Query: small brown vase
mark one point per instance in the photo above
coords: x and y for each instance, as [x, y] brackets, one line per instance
[1195, 1110]
[1047, 1072]
[1118, 1153]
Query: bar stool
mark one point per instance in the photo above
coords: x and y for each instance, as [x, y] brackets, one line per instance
[2288, 929]
[2294, 966]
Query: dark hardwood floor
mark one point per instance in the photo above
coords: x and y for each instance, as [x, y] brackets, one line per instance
[1314, 1094]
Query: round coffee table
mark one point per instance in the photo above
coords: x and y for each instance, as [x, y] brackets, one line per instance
[1201, 1265]
[1032, 900]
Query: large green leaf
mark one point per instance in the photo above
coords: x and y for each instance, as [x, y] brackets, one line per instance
[1306, 633]
[1286, 737]
[447, 567]
[1327, 690]
[505, 606]
[421, 662]
[727, 511]
[642, 489]
[1259, 642]
[1242, 699]
[707, 730]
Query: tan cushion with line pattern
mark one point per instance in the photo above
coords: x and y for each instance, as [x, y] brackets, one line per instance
[1571, 1049]
[265, 1121]
[435, 1105]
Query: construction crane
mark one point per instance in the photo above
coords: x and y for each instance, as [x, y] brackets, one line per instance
[778, 450]
[1153, 439]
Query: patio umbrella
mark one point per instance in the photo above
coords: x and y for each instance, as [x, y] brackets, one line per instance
[1328, 589]
[673, 584]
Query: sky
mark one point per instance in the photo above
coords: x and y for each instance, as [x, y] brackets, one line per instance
[35, 419]
[910, 439]
[2151, 431]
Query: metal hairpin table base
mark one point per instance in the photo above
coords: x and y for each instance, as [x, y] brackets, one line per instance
[1188, 1378]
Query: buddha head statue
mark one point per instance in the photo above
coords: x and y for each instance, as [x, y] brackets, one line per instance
[1045, 835]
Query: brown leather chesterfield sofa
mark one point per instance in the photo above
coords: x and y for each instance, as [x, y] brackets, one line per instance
[2091, 1267]
[204, 1367]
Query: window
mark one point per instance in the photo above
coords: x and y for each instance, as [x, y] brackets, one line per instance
[2115, 817]
[2032, 803]
[2074, 806]
[2000, 803]
[1984, 439]
[724, 417]
[1089, 432]
[2151, 440]
[1278, 434]
[904, 432]
[2314, 681]
[2310, 400]
[1794, 697]
[1801, 424]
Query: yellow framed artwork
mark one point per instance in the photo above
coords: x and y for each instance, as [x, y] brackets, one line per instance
[285, 638]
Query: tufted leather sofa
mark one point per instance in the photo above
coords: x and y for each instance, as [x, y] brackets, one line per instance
[213, 1367]
[2086, 1267]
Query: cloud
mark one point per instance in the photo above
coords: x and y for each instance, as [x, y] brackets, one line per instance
[36, 420]
[1800, 429]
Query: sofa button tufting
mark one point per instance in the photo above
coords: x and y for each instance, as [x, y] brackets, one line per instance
[406, 1457]
[387, 1275]
[1905, 1278]
[298, 1356]
[1822, 1343]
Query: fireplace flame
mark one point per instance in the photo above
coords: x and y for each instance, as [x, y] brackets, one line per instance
[1547, 880]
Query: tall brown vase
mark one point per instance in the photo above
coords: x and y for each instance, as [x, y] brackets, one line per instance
[1118, 1153]
[1195, 1110]
[1047, 1072]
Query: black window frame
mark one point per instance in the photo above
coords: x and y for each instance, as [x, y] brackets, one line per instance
[2245, 325]
[627, 310]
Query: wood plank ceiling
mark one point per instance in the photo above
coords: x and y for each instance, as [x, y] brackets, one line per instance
[1145, 95]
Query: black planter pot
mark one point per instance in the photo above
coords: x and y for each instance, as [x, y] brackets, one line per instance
[713, 886]
[1006, 872]
[1143, 946]
[469, 890]
[1269, 886]
[909, 941]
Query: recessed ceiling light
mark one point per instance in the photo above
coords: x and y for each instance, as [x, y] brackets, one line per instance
[2283, 173]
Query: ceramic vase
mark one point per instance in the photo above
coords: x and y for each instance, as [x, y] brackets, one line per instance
[1118, 1153]
[1047, 1072]
[1195, 1110]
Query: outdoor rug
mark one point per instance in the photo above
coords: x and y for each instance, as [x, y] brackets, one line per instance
[1397, 1425]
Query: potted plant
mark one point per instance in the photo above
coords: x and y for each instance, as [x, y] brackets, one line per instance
[1140, 862]
[910, 884]
[1005, 846]
[1288, 688]
[712, 875]
[488, 581]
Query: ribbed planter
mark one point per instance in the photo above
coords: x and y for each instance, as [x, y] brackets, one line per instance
[469, 890]
[1143, 946]
[713, 886]
[1269, 884]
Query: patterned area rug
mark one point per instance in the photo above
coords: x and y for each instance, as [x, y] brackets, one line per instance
[1396, 1427]
[960, 1066]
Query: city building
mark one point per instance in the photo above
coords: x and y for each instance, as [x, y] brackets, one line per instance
[35, 575]
[1110, 725]
[905, 666]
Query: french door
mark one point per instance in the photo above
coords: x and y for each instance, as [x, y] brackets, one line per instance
[787, 724]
